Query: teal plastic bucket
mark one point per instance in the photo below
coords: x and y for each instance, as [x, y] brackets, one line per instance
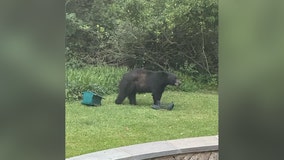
[91, 99]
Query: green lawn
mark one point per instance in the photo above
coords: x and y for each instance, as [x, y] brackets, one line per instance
[90, 129]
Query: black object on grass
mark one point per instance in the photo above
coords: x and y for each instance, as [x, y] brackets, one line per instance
[169, 106]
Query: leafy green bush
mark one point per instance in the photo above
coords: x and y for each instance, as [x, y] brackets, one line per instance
[209, 82]
[101, 80]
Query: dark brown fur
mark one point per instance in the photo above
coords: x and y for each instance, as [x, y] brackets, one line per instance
[144, 81]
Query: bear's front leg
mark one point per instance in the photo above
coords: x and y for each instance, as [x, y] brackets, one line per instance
[157, 98]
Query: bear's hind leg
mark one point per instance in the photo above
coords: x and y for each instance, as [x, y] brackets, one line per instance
[120, 98]
[132, 98]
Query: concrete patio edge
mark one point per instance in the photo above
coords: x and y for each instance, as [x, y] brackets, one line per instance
[154, 149]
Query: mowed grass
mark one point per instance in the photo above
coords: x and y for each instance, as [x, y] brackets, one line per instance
[90, 129]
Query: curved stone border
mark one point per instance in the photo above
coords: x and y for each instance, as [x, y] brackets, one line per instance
[154, 149]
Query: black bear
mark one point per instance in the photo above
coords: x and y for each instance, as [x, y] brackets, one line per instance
[144, 81]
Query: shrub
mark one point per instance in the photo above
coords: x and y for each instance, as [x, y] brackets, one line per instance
[101, 80]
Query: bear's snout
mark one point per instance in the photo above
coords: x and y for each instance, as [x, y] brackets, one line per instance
[178, 82]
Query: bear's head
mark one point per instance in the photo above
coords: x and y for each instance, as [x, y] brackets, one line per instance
[172, 80]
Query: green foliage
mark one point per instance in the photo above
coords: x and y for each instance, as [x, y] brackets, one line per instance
[110, 125]
[210, 82]
[155, 34]
[101, 80]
